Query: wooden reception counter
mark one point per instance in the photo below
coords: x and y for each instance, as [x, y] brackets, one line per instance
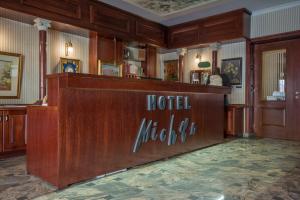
[94, 125]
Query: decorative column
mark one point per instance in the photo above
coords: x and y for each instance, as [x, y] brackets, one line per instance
[214, 47]
[42, 25]
[181, 53]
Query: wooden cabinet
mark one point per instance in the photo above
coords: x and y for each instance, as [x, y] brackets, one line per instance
[103, 16]
[94, 15]
[108, 50]
[221, 28]
[182, 36]
[113, 22]
[150, 32]
[106, 47]
[12, 129]
[227, 26]
[66, 8]
[234, 117]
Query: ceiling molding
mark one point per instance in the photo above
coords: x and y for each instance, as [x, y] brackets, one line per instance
[198, 12]
[276, 8]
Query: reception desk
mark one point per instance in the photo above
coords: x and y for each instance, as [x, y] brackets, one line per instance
[95, 125]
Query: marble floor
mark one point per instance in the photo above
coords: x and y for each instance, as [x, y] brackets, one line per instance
[240, 169]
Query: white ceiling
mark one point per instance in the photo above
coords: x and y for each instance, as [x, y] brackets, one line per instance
[194, 9]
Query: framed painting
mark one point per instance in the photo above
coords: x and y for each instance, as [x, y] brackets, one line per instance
[11, 68]
[171, 70]
[70, 65]
[232, 68]
[109, 69]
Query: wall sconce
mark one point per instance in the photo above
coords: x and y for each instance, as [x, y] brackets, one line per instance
[69, 48]
[198, 58]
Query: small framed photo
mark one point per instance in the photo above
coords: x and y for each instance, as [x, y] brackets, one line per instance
[11, 68]
[70, 65]
[109, 69]
[232, 68]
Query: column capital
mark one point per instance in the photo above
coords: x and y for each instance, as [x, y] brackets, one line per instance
[182, 51]
[42, 24]
[215, 46]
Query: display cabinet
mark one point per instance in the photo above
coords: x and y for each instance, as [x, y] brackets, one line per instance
[12, 130]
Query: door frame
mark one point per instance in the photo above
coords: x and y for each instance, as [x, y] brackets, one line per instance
[252, 94]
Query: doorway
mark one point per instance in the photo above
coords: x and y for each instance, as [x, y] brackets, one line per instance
[277, 90]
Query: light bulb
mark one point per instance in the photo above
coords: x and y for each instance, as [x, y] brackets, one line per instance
[197, 59]
[70, 50]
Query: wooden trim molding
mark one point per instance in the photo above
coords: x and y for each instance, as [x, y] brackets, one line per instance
[276, 37]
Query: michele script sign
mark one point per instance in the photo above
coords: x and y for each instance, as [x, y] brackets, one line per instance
[148, 128]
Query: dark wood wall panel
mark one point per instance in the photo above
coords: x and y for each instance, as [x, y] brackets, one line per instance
[218, 29]
[93, 15]
[111, 19]
[68, 8]
[273, 117]
[42, 154]
[113, 140]
[151, 61]
[183, 36]
[152, 32]
[222, 27]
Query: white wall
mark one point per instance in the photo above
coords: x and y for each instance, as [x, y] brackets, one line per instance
[235, 50]
[17, 37]
[189, 61]
[276, 20]
[56, 48]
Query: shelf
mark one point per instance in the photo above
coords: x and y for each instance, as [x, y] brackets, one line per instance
[134, 60]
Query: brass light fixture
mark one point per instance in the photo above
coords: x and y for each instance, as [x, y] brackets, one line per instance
[198, 58]
[69, 48]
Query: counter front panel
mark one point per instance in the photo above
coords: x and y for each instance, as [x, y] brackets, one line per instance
[104, 130]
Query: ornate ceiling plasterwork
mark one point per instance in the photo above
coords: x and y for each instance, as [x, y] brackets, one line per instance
[168, 7]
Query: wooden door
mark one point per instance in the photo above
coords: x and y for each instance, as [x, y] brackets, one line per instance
[294, 103]
[14, 130]
[274, 61]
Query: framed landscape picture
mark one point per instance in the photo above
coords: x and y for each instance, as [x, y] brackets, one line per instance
[11, 68]
[232, 68]
[109, 69]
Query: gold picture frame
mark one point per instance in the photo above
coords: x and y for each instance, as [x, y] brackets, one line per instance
[11, 72]
[109, 69]
[69, 65]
